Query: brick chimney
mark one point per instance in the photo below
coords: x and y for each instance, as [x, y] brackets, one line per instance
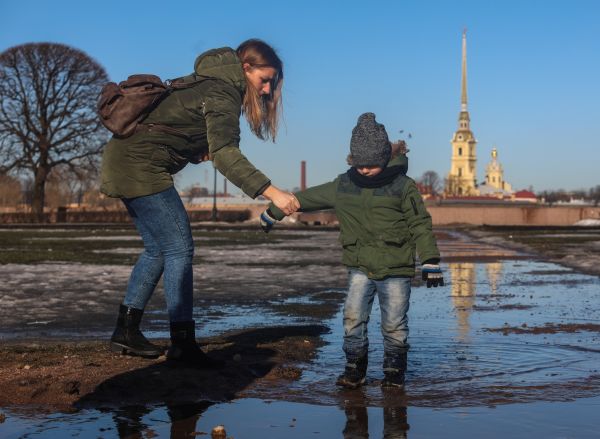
[303, 175]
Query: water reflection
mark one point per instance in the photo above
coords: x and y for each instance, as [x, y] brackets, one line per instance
[395, 420]
[184, 418]
[462, 292]
[137, 422]
[494, 274]
[129, 421]
[132, 422]
[463, 277]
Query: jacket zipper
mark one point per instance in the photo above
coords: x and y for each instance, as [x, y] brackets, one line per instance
[414, 205]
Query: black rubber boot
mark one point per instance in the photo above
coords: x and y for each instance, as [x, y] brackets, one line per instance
[128, 339]
[185, 351]
[354, 373]
[394, 368]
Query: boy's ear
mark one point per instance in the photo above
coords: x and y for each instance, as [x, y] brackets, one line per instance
[349, 160]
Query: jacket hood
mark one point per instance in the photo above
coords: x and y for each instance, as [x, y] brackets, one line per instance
[400, 160]
[222, 64]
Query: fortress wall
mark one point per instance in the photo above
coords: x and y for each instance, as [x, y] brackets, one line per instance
[512, 215]
[490, 215]
[443, 215]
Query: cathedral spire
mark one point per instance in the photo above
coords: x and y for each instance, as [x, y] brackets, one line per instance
[462, 179]
[463, 97]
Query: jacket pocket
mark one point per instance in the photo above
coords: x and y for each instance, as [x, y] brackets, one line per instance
[350, 247]
[396, 251]
[168, 159]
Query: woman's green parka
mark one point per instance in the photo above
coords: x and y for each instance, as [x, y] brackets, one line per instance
[380, 228]
[208, 113]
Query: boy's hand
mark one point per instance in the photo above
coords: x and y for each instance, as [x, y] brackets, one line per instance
[432, 273]
[287, 202]
[267, 221]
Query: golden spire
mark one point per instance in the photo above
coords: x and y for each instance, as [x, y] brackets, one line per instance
[463, 98]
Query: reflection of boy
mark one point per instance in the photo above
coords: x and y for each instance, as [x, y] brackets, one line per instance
[382, 219]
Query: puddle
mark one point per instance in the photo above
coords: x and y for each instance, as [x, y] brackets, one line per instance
[215, 320]
[456, 361]
[257, 419]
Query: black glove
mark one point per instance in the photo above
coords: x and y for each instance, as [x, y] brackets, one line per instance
[267, 221]
[432, 273]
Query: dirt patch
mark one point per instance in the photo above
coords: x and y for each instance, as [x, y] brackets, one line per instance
[64, 376]
[316, 310]
[501, 307]
[565, 282]
[548, 328]
[548, 272]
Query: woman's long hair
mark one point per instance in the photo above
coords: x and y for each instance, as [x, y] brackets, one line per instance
[262, 112]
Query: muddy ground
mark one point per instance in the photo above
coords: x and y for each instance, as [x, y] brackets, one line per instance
[64, 376]
[261, 301]
[573, 247]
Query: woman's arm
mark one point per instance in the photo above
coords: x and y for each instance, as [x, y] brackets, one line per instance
[222, 110]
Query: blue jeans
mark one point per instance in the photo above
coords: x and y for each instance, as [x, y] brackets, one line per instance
[394, 296]
[164, 226]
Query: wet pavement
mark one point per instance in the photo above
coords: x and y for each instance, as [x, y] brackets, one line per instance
[509, 348]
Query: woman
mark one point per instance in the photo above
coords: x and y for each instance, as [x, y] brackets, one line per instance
[203, 123]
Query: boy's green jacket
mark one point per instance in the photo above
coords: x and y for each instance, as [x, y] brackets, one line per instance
[380, 228]
[209, 113]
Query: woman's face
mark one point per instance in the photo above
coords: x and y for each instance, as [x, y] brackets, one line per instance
[260, 78]
[369, 171]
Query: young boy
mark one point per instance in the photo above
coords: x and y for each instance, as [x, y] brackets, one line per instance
[382, 219]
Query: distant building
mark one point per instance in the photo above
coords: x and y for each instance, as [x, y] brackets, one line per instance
[222, 200]
[425, 190]
[525, 196]
[495, 185]
[461, 180]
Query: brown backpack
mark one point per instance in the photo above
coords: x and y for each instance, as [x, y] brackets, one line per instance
[122, 107]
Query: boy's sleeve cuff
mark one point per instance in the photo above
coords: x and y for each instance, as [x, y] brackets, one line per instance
[276, 212]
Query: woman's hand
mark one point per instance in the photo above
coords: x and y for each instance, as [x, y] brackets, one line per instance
[286, 201]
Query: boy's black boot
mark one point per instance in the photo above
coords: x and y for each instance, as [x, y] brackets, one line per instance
[127, 337]
[185, 351]
[394, 368]
[354, 373]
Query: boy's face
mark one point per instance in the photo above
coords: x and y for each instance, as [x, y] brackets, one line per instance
[369, 171]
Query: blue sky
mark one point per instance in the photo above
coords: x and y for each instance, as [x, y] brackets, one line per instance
[533, 72]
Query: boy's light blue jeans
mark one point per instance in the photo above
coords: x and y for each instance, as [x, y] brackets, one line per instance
[394, 296]
[164, 226]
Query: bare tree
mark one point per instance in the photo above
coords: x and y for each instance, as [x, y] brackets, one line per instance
[48, 95]
[553, 196]
[431, 180]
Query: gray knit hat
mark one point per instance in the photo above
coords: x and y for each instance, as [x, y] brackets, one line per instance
[369, 145]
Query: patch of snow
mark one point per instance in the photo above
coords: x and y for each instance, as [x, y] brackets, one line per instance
[588, 222]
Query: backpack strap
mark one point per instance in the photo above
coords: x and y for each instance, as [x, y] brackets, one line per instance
[171, 85]
[180, 83]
